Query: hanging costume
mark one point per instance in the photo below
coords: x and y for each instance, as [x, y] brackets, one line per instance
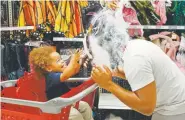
[160, 9]
[69, 18]
[34, 13]
[176, 14]
[130, 16]
[145, 12]
[169, 47]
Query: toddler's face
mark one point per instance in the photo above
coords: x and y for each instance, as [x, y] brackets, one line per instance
[57, 64]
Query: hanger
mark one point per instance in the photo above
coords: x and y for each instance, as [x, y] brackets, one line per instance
[126, 3]
[34, 43]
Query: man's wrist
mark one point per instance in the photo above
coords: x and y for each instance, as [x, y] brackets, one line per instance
[111, 86]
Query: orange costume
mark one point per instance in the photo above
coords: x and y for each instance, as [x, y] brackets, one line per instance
[69, 18]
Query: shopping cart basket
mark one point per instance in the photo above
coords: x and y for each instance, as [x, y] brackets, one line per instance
[25, 99]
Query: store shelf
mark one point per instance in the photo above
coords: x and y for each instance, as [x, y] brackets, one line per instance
[109, 101]
[68, 39]
[172, 27]
[16, 28]
[168, 27]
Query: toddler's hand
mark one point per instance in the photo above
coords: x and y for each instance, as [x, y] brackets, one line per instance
[75, 61]
[76, 55]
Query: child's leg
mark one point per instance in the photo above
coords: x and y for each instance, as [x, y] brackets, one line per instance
[75, 114]
[85, 110]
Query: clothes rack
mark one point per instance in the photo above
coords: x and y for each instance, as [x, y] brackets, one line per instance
[16, 28]
[68, 39]
[173, 27]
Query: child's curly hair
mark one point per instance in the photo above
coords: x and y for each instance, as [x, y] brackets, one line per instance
[39, 58]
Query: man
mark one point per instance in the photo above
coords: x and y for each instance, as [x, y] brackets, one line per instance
[158, 86]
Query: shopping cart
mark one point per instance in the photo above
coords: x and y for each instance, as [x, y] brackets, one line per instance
[24, 99]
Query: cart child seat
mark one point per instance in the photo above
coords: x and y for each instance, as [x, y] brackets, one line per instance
[26, 98]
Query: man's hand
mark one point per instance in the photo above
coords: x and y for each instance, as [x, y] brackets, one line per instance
[102, 76]
[84, 60]
[118, 72]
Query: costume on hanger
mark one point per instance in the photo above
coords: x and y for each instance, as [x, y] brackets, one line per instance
[14, 58]
[34, 13]
[3, 71]
[130, 16]
[176, 13]
[45, 11]
[27, 15]
[145, 12]
[69, 18]
[160, 9]
[169, 47]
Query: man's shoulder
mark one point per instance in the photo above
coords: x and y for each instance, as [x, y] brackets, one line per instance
[141, 48]
[140, 42]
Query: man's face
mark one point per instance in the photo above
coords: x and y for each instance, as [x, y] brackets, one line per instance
[57, 64]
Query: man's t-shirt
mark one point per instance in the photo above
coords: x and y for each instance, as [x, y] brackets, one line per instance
[54, 87]
[145, 62]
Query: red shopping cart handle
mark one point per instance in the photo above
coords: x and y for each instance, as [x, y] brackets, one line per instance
[79, 88]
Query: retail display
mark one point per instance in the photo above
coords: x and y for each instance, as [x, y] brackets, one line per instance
[14, 59]
[130, 16]
[160, 9]
[33, 13]
[176, 13]
[4, 14]
[69, 19]
[146, 13]
[169, 45]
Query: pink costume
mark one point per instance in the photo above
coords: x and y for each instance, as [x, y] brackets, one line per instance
[181, 56]
[169, 47]
[160, 9]
[130, 16]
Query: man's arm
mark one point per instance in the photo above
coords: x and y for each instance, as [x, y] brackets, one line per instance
[142, 100]
[118, 72]
[139, 73]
